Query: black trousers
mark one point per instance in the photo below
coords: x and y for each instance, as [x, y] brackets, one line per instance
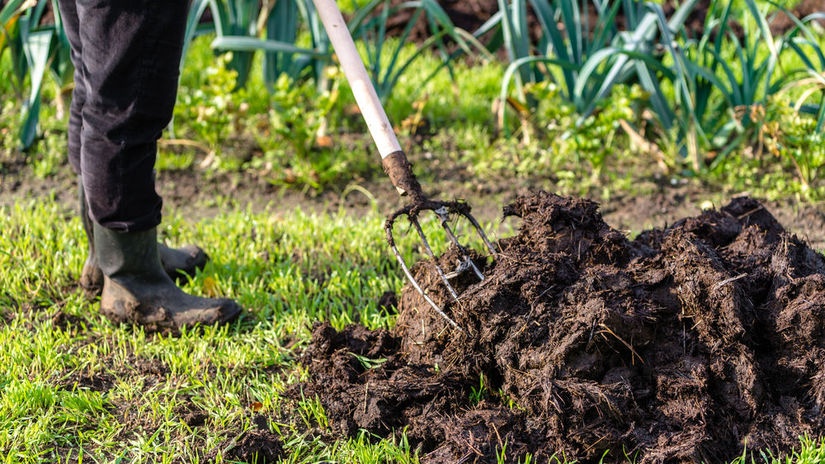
[126, 55]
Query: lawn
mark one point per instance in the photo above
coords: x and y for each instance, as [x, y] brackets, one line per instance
[78, 389]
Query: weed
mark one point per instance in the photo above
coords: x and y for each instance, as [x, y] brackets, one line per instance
[501, 453]
[211, 111]
[298, 118]
[477, 394]
[368, 363]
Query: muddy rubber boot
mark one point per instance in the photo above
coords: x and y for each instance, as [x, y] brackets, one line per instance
[137, 290]
[181, 262]
[177, 262]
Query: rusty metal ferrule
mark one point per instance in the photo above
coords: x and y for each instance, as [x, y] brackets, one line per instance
[399, 170]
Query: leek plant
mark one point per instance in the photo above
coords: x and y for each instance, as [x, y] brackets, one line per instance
[706, 97]
[275, 27]
[37, 51]
[236, 18]
[806, 146]
[805, 45]
[724, 82]
[244, 27]
[385, 60]
[586, 60]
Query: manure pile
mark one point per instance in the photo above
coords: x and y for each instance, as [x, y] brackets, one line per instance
[684, 345]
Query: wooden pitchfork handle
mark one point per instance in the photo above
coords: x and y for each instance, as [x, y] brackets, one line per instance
[393, 158]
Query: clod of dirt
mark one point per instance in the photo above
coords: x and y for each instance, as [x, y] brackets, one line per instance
[686, 344]
[97, 381]
[191, 414]
[67, 322]
[257, 445]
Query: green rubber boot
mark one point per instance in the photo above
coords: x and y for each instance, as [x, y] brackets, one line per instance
[137, 290]
[177, 262]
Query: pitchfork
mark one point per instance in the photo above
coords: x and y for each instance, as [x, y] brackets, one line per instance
[395, 162]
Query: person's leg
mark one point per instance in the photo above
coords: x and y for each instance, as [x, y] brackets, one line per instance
[177, 262]
[129, 53]
[130, 58]
[71, 24]
[91, 279]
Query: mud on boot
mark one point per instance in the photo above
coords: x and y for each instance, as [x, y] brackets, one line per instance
[137, 290]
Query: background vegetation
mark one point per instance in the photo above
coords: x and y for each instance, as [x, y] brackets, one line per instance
[634, 90]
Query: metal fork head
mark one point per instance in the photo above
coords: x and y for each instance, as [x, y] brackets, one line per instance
[443, 210]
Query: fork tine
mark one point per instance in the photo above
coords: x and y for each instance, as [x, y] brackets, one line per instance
[478, 228]
[388, 227]
[431, 254]
[466, 262]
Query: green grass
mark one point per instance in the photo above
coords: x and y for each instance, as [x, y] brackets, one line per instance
[76, 388]
[289, 270]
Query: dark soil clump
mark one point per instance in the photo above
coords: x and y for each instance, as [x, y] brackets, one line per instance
[257, 445]
[686, 344]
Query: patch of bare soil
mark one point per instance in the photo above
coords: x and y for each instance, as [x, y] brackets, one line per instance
[470, 15]
[257, 445]
[686, 344]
